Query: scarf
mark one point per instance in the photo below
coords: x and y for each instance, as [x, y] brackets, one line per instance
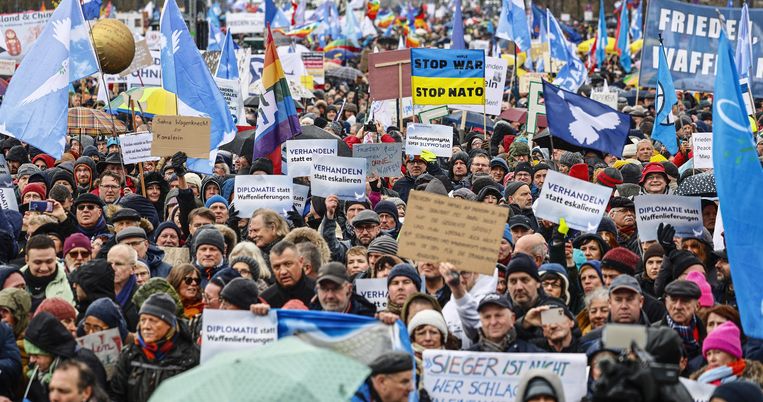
[394, 308]
[157, 350]
[193, 309]
[124, 295]
[689, 334]
[487, 345]
[43, 377]
[626, 232]
[38, 284]
[100, 227]
[723, 374]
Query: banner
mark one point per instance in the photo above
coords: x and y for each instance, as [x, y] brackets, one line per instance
[382, 160]
[341, 176]
[683, 213]
[495, 80]
[262, 191]
[702, 150]
[451, 375]
[8, 199]
[313, 62]
[374, 290]
[234, 330]
[136, 147]
[580, 203]
[444, 77]
[434, 138]
[690, 33]
[256, 62]
[106, 346]
[300, 153]
[148, 76]
[245, 22]
[231, 91]
[20, 31]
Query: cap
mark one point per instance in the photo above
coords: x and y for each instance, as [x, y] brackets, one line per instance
[125, 214]
[519, 220]
[625, 282]
[683, 288]
[391, 363]
[366, 216]
[334, 271]
[131, 232]
[495, 299]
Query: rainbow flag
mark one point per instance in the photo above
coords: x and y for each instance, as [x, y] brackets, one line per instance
[342, 44]
[303, 30]
[412, 41]
[384, 19]
[277, 119]
[372, 9]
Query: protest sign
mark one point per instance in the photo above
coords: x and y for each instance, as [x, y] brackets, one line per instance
[374, 290]
[4, 166]
[299, 154]
[181, 133]
[149, 75]
[702, 150]
[231, 91]
[262, 191]
[21, 31]
[106, 346]
[245, 22]
[581, 204]
[7, 67]
[344, 177]
[444, 77]
[683, 213]
[690, 33]
[299, 194]
[465, 233]
[313, 62]
[699, 392]
[141, 59]
[8, 199]
[256, 62]
[293, 67]
[427, 115]
[409, 109]
[535, 107]
[527, 78]
[608, 98]
[136, 147]
[176, 255]
[434, 138]
[382, 160]
[495, 81]
[389, 74]
[451, 375]
[235, 330]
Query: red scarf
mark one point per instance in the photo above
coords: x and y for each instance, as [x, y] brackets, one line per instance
[156, 350]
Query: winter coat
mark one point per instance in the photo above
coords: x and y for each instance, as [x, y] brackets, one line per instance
[359, 305]
[154, 260]
[10, 362]
[518, 346]
[276, 295]
[58, 287]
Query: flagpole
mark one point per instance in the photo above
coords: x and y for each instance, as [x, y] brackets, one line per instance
[641, 66]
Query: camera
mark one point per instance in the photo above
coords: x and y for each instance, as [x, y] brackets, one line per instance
[369, 127]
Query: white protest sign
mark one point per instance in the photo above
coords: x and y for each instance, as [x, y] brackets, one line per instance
[495, 80]
[4, 166]
[409, 109]
[235, 330]
[231, 91]
[299, 154]
[374, 290]
[245, 22]
[148, 76]
[299, 193]
[702, 149]
[383, 160]
[344, 177]
[606, 97]
[480, 376]
[262, 191]
[535, 107]
[580, 203]
[683, 213]
[8, 199]
[106, 345]
[699, 392]
[434, 138]
[141, 59]
[137, 147]
[7, 67]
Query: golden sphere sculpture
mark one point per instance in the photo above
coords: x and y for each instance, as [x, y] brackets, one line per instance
[114, 44]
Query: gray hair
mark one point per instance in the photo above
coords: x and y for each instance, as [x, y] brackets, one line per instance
[597, 294]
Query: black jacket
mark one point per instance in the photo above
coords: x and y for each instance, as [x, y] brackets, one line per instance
[518, 346]
[276, 295]
[359, 305]
[10, 363]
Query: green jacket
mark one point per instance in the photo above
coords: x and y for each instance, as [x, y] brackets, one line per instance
[59, 286]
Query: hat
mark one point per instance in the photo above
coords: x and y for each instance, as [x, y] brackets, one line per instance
[240, 292]
[161, 306]
[638, 111]
[521, 262]
[621, 202]
[254, 267]
[519, 221]
[540, 166]
[683, 288]
[58, 307]
[726, 338]
[387, 207]
[499, 162]
[625, 282]
[404, 269]
[391, 363]
[523, 167]
[210, 236]
[610, 177]
[261, 165]
[655, 250]
[88, 198]
[34, 188]
[429, 317]
[706, 299]
[383, 245]
[112, 159]
[125, 214]
[130, 233]
[333, 271]
[654, 167]
[366, 216]
[738, 391]
[110, 313]
[166, 225]
[215, 199]
[496, 299]
[592, 264]
[607, 224]
[77, 240]
[507, 235]
[465, 193]
[579, 171]
[631, 173]
[681, 260]
[27, 169]
[512, 187]
[46, 335]
[621, 259]
[570, 158]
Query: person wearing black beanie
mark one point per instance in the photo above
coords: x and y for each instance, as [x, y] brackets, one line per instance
[239, 294]
[737, 391]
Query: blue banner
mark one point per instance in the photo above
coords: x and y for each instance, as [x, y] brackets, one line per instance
[690, 33]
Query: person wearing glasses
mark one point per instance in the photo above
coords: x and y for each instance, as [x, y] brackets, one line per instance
[77, 251]
[186, 280]
[136, 238]
[623, 211]
[89, 214]
[110, 187]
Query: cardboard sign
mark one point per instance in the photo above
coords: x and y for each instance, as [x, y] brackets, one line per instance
[684, 213]
[382, 160]
[313, 62]
[300, 153]
[106, 345]
[702, 150]
[231, 91]
[495, 80]
[699, 392]
[181, 133]
[525, 80]
[245, 22]
[235, 330]
[607, 98]
[7, 67]
[374, 290]
[444, 77]
[388, 73]
[141, 59]
[262, 191]
[434, 138]
[465, 233]
[176, 255]
[8, 199]
[580, 203]
[136, 147]
[299, 194]
[344, 177]
[479, 376]
[536, 107]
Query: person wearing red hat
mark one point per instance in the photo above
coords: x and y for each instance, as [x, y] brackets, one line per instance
[654, 179]
[32, 192]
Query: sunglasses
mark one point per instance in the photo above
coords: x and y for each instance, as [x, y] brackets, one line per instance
[79, 254]
[189, 280]
[82, 207]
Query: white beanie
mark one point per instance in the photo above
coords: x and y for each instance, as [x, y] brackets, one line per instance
[429, 317]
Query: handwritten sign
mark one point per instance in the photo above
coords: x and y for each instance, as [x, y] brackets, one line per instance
[299, 154]
[434, 138]
[8, 199]
[176, 255]
[382, 160]
[300, 193]
[181, 133]
[702, 147]
[465, 233]
[527, 78]
[228, 331]
[451, 375]
[345, 177]
[580, 203]
[684, 213]
[374, 290]
[262, 191]
[137, 147]
[106, 345]
[608, 98]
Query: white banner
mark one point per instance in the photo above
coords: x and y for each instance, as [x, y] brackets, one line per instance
[245, 22]
[481, 376]
[300, 153]
[137, 147]
[235, 330]
[262, 191]
[7, 67]
[20, 31]
[300, 193]
[8, 199]
[607, 98]
[495, 80]
[434, 138]
[374, 290]
[683, 213]
[231, 91]
[382, 160]
[702, 150]
[344, 177]
[579, 202]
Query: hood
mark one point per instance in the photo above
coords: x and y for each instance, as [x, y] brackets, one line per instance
[306, 234]
[48, 334]
[210, 180]
[458, 156]
[172, 194]
[551, 378]
[96, 278]
[144, 207]
[19, 302]
[86, 161]
[583, 238]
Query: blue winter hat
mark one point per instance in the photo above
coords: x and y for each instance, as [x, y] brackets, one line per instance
[507, 235]
[596, 265]
[107, 311]
[215, 199]
[406, 270]
[112, 141]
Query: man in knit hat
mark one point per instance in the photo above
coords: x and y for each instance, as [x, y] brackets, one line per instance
[569, 159]
[136, 238]
[77, 251]
[519, 197]
[402, 282]
[459, 170]
[209, 253]
[382, 245]
[524, 284]
[219, 206]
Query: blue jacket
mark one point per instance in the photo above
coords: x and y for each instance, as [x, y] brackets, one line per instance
[10, 362]
[155, 264]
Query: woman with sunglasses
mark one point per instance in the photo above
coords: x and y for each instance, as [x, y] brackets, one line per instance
[187, 282]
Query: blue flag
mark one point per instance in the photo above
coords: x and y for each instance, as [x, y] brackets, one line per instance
[35, 106]
[558, 45]
[215, 37]
[274, 16]
[664, 129]
[743, 54]
[227, 66]
[739, 181]
[572, 75]
[457, 35]
[185, 74]
[636, 22]
[91, 9]
[512, 24]
[601, 37]
[584, 122]
[623, 43]
[351, 28]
